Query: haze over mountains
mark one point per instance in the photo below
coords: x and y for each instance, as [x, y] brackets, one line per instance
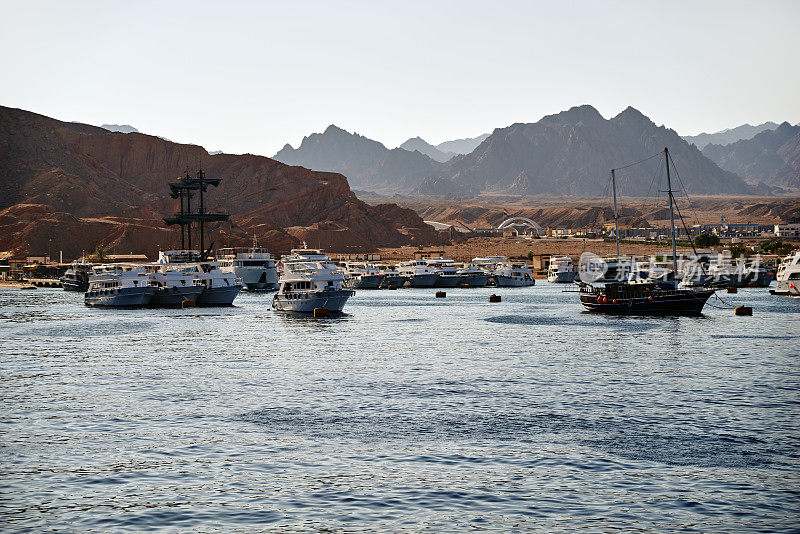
[729, 135]
[568, 153]
[772, 156]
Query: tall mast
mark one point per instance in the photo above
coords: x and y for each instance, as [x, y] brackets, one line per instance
[671, 217]
[200, 176]
[616, 217]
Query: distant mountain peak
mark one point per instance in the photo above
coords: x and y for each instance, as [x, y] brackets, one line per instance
[584, 113]
[121, 128]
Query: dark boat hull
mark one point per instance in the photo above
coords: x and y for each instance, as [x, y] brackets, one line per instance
[685, 302]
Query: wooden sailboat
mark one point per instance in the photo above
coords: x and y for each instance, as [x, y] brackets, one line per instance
[651, 298]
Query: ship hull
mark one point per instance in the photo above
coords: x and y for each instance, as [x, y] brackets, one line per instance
[74, 285]
[175, 296]
[448, 281]
[257, 279]
[473, 280]
[370, 281]
[501, 280]
[561, 278]
[676, 303]
[396, 280]
[127, 297]
[423, 280]
[218, 296]
[333, 301]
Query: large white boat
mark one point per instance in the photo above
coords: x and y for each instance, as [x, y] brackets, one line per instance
[176, 285]
[504, 273]
[561, 270]
[788, 276]
[391, 277]
[254, 265]
[310, 281]
[419, 273]
[76, 278]
[473, 276]
[361, 275]
[447, 271]
[219, 288]
[119, 286]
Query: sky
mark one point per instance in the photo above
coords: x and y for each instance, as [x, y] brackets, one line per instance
[249, 77]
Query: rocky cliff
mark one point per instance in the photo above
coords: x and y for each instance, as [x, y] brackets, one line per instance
[572, 153]
[84, 186]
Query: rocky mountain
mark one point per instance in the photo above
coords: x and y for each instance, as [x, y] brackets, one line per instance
[461, 146]
[75, 186]
[728, 135]
[367, 164]
[571, 153]
[772, 156]
[121, 128]
[423, 147]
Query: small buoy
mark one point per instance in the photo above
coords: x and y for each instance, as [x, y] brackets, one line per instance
[441, 294]
[599, 300]
[743, 310]
[392, 287]
[732, 289]
[650, 298]
[614, 301]
[188, 304]
[494, 298]
[605, 299]
[321, 312]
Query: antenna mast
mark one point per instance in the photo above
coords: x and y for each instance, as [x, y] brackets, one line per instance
[671, 217]
[616, 217]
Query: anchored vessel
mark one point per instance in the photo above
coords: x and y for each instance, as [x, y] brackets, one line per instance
[76, 278]
[219, 288]
[360, 275]
[503, 273]
[119, 286]
[419, 273]
[254, 265]
[447, 271]
[390, 276]
[175, 285]
[648, 298]
[310, 281]
[788, 276]
[472, 276]
[561, 270]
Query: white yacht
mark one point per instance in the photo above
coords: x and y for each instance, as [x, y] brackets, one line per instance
[561, 270]
[391, 277]
[361, 275]
[119, 286]
[447, 271]
[310, 281]
[504, 273]
[219, 288]
[473, 276]
[254, 265]
[788, 276]
[419, 273]
[176, 285]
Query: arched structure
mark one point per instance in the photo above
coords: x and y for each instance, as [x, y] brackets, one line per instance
[521, 221]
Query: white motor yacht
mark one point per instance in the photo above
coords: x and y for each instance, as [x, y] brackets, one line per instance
[176, 285]
[310, 281]
[419, 273]
[561, 270]
[504, 273]
[788, 276]
[119, 286]
[447, 271]
[361, 275]
[473, 276]
[219, 288]
[255, 266]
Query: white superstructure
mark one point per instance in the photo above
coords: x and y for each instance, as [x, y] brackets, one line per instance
[505, 273]
[310, 281]
[788, 275]
[219, 288]
[255, 266]
[119, 285]
[561, 270]
[419, 273]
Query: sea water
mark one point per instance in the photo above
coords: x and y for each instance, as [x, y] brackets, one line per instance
[407, 413]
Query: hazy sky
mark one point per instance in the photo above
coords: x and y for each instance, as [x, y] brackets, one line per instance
[252, 76]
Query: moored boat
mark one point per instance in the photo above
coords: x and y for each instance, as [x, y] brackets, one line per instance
[788, 276]
[119, 286]
[76, 278]
[255, 266]
[561, 270]
[310, 281]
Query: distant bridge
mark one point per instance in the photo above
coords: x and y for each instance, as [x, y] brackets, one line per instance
[521, 221]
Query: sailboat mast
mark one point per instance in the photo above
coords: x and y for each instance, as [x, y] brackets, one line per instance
[616, 217]
[671, 217]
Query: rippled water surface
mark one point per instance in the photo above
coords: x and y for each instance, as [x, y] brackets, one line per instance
[407, 413]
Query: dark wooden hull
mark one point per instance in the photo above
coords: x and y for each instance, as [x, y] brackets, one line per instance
[674, 302]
